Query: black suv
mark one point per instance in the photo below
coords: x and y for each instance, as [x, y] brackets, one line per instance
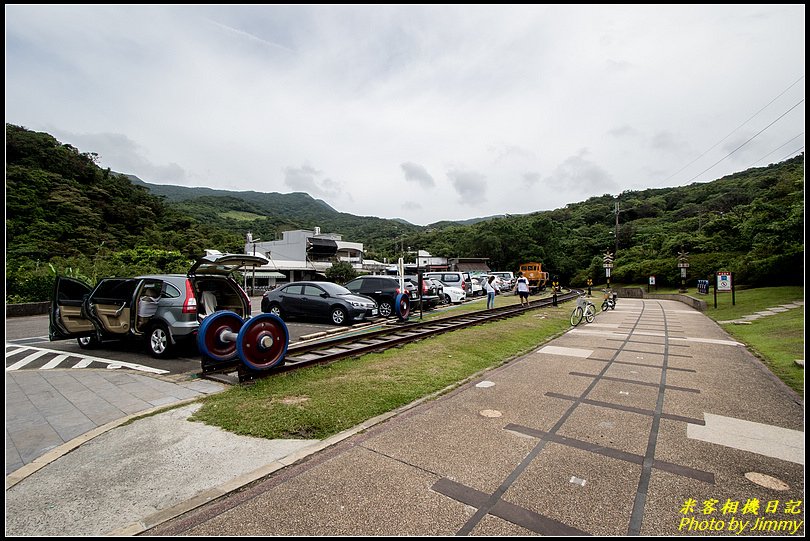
[430, 295]
[383, 289]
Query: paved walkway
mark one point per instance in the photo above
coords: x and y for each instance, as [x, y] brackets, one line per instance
[744, 320]
[650, 421]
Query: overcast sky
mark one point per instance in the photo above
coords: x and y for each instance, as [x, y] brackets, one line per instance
[418, 112]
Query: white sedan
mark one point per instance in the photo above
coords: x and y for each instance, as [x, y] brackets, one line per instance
[454, 295]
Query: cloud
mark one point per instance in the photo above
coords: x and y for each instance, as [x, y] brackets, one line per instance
[531, 178]
[579, 175]
[668, 142]
[470, 185]
[307, 179]
[411, 205]
[122, 155]
[492, 94]
[624, 131]
[417, 173]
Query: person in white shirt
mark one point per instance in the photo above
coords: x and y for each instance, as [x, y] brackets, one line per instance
[523, 289]
[490, 289]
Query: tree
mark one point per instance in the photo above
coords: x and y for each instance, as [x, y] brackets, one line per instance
[340, 272]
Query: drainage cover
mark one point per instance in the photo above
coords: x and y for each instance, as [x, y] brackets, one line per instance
[766, 481]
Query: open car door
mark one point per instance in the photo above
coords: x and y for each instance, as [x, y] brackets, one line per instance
[225, 264]
[67, 316]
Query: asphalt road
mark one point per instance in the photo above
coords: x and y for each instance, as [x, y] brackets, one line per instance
[32, 333]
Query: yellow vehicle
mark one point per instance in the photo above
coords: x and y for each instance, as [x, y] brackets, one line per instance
[533, 272]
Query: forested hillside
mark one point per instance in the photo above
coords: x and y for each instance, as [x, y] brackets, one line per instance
[65, 214]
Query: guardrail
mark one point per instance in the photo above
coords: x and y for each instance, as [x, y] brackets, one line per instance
[27, 309]
[639, 293]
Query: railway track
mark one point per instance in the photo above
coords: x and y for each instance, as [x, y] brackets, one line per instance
[392, 335]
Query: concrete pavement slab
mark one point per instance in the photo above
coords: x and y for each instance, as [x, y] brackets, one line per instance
[563, 442]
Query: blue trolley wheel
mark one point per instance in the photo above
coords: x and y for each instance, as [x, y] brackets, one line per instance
[402, 305]
[210, 335]
[262, 342]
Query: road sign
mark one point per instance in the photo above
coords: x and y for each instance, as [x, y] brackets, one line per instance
[652, 280]
[723, 281]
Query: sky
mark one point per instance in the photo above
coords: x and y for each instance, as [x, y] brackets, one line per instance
[418, 112]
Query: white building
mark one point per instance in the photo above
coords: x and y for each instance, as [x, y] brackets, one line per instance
[301, 255]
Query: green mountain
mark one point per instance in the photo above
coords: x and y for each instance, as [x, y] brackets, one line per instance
[266, 215]
[64, 210]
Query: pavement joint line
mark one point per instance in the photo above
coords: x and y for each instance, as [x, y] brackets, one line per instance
[658, 366]
[636, 382]
[631, 409]
[515, 514]
[494, 499]
[610, 452]
[40, 462]
[640, 501]
[155, 519]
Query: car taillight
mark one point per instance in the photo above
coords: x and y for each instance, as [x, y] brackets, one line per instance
[424, 288]
[190, 304]
[463, 286]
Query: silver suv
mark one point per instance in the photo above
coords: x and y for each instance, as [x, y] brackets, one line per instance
[161, 309]
[457, 279]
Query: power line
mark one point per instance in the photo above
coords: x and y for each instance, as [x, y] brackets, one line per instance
[748, 141]
[734, 130]
[792, 153]
[774, 150]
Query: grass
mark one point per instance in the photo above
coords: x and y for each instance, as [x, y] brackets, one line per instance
[240, 215]
[321, 401]
[324, 400]
[778, 340]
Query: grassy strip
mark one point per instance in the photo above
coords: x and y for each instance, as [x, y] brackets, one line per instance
[778, 340]
[750, 301]
[324, 400]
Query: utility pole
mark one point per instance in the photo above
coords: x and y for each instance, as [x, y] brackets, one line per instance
[616, 250]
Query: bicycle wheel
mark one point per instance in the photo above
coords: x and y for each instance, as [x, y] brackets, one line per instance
[590, 313]
[605, 306]
[576, 316]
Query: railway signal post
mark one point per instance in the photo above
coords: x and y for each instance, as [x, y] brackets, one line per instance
[607, 263]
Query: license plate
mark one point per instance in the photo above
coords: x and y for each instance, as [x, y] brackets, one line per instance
[373, 311]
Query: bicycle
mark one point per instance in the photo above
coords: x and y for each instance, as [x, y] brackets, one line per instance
[584, 309]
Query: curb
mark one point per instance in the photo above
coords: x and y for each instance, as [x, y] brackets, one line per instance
[40, 462]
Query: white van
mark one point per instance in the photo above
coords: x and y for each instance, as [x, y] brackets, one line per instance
[452, 279]
[507, 276]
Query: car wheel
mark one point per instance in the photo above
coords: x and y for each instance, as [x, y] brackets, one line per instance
[338, 316]
[386, 308]
[275, 309]
[447, 300]
[158, 341]
[87, 342]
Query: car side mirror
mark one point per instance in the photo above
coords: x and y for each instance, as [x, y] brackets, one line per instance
[325, 295]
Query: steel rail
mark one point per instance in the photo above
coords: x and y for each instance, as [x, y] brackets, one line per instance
[330, 350]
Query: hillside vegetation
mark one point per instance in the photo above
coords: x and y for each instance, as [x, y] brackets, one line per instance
[65, 214]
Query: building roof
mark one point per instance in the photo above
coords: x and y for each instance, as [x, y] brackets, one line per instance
[478, 266]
